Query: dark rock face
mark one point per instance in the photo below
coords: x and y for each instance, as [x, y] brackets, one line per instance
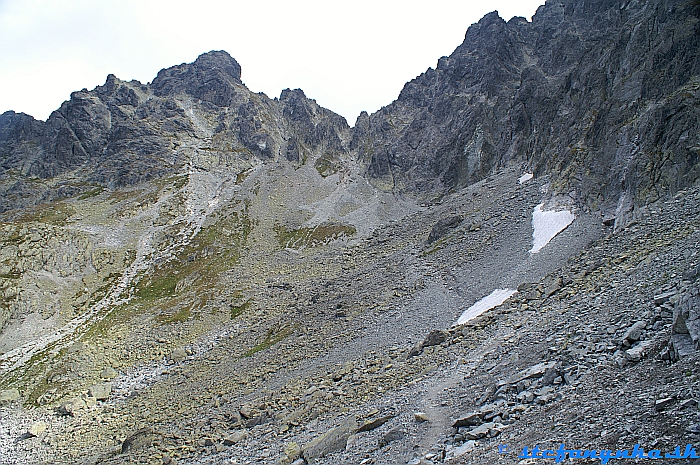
[314, 127]
[442, 227]
[211, 78]
[18, 134]
[603, 95]
[123, 133]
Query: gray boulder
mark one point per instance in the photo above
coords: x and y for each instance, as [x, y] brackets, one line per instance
[8, 395]
[331, 441]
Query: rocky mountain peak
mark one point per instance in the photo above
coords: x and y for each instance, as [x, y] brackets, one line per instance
[212, 78]
[195, 273]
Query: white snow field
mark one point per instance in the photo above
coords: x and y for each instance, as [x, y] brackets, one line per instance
[547, 224]
[494, 299]
[525, 178]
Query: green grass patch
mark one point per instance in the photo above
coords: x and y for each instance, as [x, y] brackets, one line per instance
[437, 245]
[181, 181]
[112, 318]
[238, 309]
[180, 316]
[91, 193]
[13, 238]
[194, 271]
[157, 287]
[273, 337]
[55, 213]
[311, 237]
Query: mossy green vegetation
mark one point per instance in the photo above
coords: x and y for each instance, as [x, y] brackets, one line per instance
[116, 315]
[191, 276]
[157, 287]
[328, 164]
[91, 193]
[11, 235]
[54, 213]
[435, 246]
[180, 316]
[310, 237]
[181, 181]
[274, 335]
[238, 309]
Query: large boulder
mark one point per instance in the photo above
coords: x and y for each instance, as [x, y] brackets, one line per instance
[331, 441]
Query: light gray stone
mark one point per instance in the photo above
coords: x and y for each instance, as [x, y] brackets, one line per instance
[8, 395]
[481, 431]
[634, 332]
[331, 441]
[72, 406]
[100, 391]
[469, 419]
[235, 438]
[420, 417]
[178, 355]
[37, 428]
[681, 346]
[108, 373]
[664, 403]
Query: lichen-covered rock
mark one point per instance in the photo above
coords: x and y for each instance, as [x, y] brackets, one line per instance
[331, 441]
[100, 391]
[8, 395]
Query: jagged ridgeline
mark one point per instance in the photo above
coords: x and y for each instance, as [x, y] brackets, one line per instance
[125, 133]
[235, 262]
[612, 111]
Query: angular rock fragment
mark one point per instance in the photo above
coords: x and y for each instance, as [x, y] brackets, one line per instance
[8, 395]
[331, 441]
[235, 438]
[481, 431]
[100, 391]
[420, 417]
[72, 406]
[369, 425]
[395, 434]
[142, 438]
[37, 428]
[634, 332]
[470, 419]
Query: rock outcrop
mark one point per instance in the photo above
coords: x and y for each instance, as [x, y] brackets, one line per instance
[191, 272]
[612, 111]
[605, 95]
[123, 133]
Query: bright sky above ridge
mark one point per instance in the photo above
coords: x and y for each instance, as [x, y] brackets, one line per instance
[349, 56]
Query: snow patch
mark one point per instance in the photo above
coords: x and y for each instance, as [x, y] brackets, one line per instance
[547, 224]
[494, 299]
[524, 178]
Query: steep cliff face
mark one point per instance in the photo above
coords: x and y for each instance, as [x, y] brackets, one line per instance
[601, 94]
[123, 133]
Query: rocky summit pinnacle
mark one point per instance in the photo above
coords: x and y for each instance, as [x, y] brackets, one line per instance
[503, 260]
[210, 78]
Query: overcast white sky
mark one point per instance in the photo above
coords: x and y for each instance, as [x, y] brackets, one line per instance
[349, 56]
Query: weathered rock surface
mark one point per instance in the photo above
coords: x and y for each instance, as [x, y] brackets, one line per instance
[100, 391]
[331, 441]
[225, 255]
[563, 95]
[9, 395]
